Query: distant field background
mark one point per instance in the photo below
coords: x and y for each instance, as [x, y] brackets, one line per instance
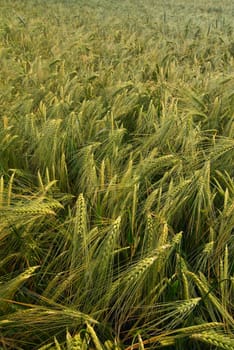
[116, 175]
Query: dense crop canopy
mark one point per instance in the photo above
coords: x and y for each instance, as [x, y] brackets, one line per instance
[116, 174]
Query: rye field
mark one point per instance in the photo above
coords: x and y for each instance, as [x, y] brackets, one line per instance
[116, 174]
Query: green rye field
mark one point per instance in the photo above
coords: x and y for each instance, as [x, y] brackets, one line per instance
[116, 174]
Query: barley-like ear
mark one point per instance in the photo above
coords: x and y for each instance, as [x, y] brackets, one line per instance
[40, 181]
[185, 285]
[57, 345]
[1, 191]
[109, 345]
[219, 340]
[205, 290]
[8, 289]
[163, 236]
[167, 341]
[84, 171]
[204, 260]
[160, 264]
[140, 341]
[147, 245]
[153, 197]
[199, 328]
[10, 183]
[182, 267]
[78, 343]
[63, 172]
[102, 266]
[143, 265]
[102, 176]
[224, 278]
[5, 122]
[169, 315]
[187, 306]
[209, 248]
[68, 340]
[226, 265]
[170, 336]
[134, 207]
[179, 312]
[112, 345]
[34, 208]
[129, 288]
[110, 243]
[79, 234]
[94, 337]
[59, 285]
